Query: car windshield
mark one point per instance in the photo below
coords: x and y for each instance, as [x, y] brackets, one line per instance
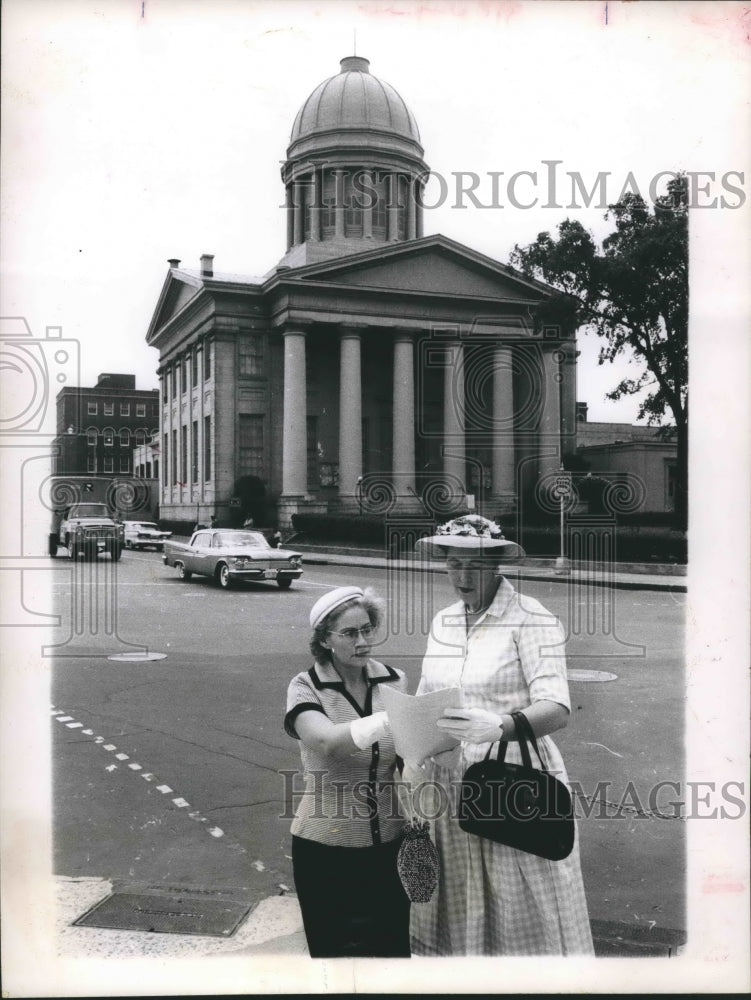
[246, 539]
[89, 510]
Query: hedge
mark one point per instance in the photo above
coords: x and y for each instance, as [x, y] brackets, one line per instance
[632, 542]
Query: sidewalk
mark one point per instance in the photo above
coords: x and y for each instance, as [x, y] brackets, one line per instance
[624, 576]
[273, 927]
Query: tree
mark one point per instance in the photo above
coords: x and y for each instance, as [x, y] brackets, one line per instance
[633, 292]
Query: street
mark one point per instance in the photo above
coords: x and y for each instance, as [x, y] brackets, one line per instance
[167, 771]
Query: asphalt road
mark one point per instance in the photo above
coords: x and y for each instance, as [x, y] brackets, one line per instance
[168, 771]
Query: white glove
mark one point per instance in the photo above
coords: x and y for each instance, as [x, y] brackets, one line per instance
[369, 730]
[471, 725]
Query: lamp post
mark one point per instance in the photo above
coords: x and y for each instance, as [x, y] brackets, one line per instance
[563, 488]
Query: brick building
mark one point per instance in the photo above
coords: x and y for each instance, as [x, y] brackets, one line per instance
[371, 357]
[98, 427]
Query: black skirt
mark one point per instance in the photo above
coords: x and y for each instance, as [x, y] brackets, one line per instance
[352, 901]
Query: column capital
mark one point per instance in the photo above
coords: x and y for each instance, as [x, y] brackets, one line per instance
[351, 330]
[294, 328]
[403, 334]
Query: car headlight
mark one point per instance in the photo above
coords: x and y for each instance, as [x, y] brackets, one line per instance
[295, 562]
[242, 562]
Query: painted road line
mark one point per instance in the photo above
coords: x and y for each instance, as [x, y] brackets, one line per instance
[122, 756]
[135, 767]
[64, 718]
[110, 746]
[74, 725]
[181, 803]
[164, 789]
[216, 832]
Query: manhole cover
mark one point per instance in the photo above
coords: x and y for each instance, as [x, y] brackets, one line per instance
[137, 657]
[166, 914]
[591, 676]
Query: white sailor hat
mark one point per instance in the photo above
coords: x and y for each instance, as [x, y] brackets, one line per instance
[330, 601]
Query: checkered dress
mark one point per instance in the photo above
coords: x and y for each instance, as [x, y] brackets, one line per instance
[493, 899]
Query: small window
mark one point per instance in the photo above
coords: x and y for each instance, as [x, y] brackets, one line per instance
[124, 409]
[155, 410]
[93, 408]
[140, 409]
[109, 409]
[125, 438]
[109, 437]
[124, 463]
[194, 367]
[91, 437]
[108, 463]
[207, 359]
[91, 463]
[202, 538]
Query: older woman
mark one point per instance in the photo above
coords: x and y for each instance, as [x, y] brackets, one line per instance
[506, 652]
[347, 829]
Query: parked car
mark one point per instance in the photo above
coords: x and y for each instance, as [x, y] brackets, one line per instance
[144, 535]
[229, 555]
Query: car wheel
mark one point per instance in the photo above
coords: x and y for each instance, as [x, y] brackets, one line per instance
[115, 553]
[223, 576]
[52, 546]
[284, 584]
[182, 572]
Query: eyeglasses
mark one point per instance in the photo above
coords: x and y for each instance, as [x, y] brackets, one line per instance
[352, 633]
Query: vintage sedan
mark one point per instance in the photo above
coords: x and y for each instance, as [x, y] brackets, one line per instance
[230, 555]
[144, 535]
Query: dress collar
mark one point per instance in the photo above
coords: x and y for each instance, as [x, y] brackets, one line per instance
[455, 613]
[325, 676]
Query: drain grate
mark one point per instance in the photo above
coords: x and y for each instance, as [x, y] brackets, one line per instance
[591, 676]
[162, 914]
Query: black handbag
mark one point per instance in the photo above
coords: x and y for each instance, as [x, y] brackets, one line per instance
[515, 804]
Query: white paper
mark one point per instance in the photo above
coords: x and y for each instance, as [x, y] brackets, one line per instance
[413, 721]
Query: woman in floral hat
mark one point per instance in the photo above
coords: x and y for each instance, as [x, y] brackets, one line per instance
[506, 652]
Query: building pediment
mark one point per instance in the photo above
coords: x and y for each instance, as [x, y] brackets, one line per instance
[433, 265]
[178, 290]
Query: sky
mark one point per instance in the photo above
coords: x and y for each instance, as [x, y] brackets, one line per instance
[138, 131]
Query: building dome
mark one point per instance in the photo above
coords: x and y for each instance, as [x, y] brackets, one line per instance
[354, 167]
[354, 99]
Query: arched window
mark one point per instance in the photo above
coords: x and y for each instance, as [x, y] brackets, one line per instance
[91, 437]
[109, 437]
[124, 438]
[140, 436]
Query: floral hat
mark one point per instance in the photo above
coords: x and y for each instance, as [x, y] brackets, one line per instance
[471, 533]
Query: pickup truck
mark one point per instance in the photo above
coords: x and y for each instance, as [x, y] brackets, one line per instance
[87, 529]
[229, 555]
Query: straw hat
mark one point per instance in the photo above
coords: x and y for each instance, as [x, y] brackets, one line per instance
[471, 533]
[330, 601]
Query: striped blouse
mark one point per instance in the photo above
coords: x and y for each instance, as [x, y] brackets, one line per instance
[344, 801]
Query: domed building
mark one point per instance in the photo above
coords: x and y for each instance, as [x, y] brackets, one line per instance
[374, 369]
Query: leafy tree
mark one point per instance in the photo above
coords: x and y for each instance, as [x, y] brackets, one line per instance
[633, 292]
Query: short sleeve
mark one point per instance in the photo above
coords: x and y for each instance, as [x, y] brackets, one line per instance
[542, 654]
[301, 697]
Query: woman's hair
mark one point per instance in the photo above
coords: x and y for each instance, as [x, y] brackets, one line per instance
[371, 602]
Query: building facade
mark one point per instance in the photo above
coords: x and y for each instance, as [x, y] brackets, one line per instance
[373, 363]
[98, 427]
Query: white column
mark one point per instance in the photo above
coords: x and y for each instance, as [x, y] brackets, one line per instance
[454, 461]
[550, 420]
[350, 413]
[503, 483]
[367, 210]
[404, 415]
[393, 206]
[338, 203]
[315, 205]
[294, 424]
